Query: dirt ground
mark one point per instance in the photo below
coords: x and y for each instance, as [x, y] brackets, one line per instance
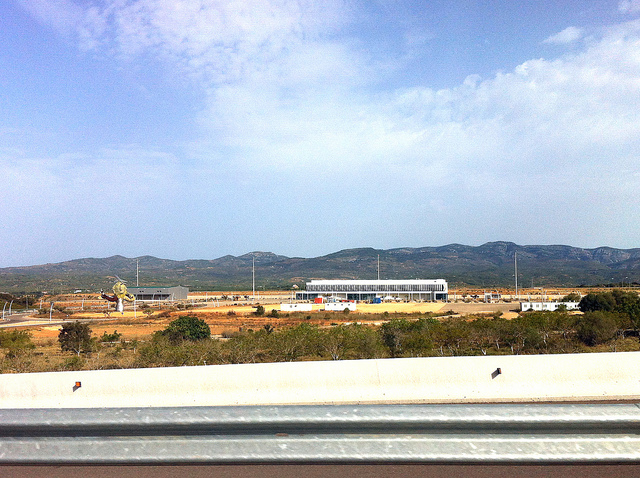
[232, 317]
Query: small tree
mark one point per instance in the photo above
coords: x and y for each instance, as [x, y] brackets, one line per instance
[187, 327]
[597, 301]
[259, 311]
[596, 328]
[75, 337]
[571, 297]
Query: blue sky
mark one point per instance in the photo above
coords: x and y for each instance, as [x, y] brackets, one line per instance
[191, 129]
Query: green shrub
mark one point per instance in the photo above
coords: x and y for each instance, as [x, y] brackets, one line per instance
[186, 327]
[107, 338]
[596, 328]
[16, 342]
[73, 363]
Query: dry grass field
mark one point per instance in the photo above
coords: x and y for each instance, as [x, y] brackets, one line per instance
[230, 317]
[227, 317]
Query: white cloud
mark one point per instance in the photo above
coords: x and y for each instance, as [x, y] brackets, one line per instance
[629, 6]
[545, 111]
[568, 35]
[217, 41]
[281, 93]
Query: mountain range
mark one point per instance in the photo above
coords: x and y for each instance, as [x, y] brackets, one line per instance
[489, 265]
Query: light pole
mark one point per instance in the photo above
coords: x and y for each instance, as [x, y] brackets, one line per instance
[515, 265]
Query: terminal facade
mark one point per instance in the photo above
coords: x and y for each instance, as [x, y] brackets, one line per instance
[416, 289]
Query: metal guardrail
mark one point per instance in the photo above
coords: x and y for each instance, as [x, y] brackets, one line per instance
[523, 433]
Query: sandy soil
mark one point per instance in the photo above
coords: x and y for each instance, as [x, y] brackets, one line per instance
[230, 317]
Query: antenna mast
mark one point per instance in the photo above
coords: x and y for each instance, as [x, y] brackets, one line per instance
[378, 266]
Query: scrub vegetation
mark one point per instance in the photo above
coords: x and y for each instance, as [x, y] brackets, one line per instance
[610, 322]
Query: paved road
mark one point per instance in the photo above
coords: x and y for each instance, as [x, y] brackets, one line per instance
[326, 471]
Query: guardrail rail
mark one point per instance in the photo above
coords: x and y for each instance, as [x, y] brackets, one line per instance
[521, 433]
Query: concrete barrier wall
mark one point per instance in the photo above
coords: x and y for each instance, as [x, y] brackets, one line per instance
[604, 376]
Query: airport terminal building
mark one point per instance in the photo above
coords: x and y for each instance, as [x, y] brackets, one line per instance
[416, 289]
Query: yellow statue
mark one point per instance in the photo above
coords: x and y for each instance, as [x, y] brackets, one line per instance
[120, 294]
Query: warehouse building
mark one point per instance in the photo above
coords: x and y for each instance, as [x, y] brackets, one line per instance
[159, 293]
[374, 290]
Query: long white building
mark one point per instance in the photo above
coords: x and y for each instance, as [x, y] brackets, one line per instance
[416, 289]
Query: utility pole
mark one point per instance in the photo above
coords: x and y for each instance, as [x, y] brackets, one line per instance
[515, 263]
[253, 279]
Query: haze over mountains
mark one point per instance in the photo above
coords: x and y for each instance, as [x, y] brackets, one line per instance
[488, 265]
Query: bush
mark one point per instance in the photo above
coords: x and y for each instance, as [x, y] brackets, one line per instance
[597, 328]
[114, 337]
[161, 352]
[187, 327]
[73, 363]
[410, 338]
[600, 301]
[16, 342]
[259, 311]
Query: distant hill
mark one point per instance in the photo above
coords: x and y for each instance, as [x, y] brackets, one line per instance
[488, 265]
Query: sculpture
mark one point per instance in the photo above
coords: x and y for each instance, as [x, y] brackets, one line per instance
[120, 294]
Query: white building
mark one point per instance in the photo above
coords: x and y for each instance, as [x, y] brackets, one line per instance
[340, 306]
[416, 289]
[548, 306]
[296, 307]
